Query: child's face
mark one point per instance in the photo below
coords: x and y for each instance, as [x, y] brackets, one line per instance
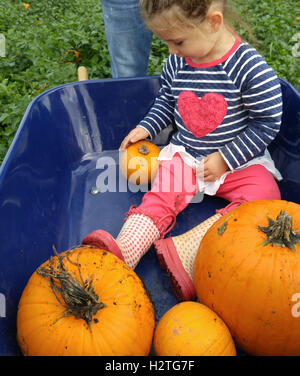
[194, 42]
[191, 42]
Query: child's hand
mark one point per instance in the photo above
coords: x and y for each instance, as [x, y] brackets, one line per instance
[135, 135]
[212, 167]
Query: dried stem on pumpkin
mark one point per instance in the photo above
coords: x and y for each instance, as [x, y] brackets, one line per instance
[79, 299]
[280, 231]
[143, 149]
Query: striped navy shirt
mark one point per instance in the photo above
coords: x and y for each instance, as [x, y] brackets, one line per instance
[254, 104]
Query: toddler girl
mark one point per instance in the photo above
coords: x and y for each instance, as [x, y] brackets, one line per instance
[226, 104]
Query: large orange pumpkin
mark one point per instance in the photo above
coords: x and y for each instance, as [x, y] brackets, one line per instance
[190, 328]
[85, 301]
[247, 270]
[139, 162]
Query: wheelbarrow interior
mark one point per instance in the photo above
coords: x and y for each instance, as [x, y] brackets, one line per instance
[56, 185]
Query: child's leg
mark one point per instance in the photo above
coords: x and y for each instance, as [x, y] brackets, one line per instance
[172, 190]
[251, 183]
[179, 252]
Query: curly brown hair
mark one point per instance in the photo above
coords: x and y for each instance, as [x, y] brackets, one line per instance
[192, 9]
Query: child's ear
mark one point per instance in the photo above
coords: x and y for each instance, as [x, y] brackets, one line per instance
[215, 20]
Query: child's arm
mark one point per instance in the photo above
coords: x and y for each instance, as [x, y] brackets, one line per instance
[261, 93]
[161, 113]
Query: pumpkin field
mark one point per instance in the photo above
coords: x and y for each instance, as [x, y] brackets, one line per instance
[47, 40]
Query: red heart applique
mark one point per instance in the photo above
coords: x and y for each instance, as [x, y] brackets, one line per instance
[201, 115]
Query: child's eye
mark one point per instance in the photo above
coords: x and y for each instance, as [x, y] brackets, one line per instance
[178, 43]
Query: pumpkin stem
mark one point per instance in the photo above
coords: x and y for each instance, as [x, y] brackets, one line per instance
[79, 298]
[143, 149]
[280, 231]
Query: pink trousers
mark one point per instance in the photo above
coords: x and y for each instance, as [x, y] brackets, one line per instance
[175, 185]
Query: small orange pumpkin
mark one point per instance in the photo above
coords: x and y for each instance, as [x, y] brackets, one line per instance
[85, 301]
[247, 270]
[139, 162]
[192, 329]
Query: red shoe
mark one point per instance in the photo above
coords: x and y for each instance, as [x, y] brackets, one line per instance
[181, 283]
[103, 240]
[134, 240]
[177, 254]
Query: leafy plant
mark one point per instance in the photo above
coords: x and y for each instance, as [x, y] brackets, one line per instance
[274, 23]
[39, 45]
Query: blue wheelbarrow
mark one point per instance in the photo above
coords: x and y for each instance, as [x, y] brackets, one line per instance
[49, 182]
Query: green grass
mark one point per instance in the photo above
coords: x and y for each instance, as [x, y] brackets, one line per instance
[38, 39]
[274, 23]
